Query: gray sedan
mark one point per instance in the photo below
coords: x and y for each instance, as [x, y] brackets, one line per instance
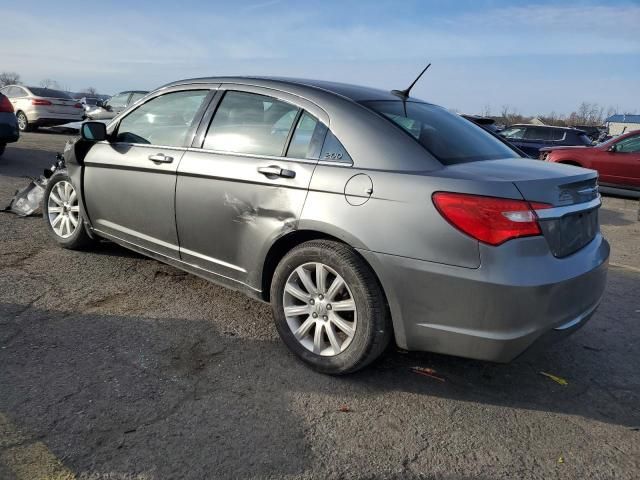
[361, 215]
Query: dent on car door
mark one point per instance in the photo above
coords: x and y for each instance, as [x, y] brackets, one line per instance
[129, 181]
[247, 185]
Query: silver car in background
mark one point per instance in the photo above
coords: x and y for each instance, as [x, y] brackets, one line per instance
[42, 107]
[360, 214]
[114, 105]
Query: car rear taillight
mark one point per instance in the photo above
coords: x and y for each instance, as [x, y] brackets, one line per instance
[490, 220]
[40, 101]
[77, 105]
[5, 104]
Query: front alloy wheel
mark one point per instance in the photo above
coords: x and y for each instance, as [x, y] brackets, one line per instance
[63, 209]
[62, 213]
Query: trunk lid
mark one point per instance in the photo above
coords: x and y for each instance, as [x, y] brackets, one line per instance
[572, 222]
[62, 106]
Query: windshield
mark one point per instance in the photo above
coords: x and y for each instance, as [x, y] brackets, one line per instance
[49, 93]
[447, 136]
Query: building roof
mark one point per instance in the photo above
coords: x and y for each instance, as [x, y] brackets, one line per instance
[622, 118]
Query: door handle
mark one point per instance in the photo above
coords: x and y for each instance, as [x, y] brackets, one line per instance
[160, 158]
[273, 171]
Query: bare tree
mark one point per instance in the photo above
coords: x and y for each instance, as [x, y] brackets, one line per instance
[49, 83]
[509, 116]
[587, 114]
[89, 91]
[9, 78]
[486, 111]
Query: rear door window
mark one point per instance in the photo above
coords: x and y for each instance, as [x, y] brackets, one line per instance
[535, 133]
[165, 120]
[251, 123]
[557, 135]
[307, 138]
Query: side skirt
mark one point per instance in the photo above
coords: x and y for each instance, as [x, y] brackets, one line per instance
[187, 267]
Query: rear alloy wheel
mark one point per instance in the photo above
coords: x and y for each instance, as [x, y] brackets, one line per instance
[329, 308]
[23, 122]
[62, 213]
[320, 309]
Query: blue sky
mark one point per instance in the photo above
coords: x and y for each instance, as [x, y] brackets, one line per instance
[537, 57]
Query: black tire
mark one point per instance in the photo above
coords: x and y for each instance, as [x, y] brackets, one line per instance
[23, 122]
[2, 147]
[373, 329]
[79, 239]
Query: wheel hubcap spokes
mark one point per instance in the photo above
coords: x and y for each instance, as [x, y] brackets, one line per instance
[63, 209]
[320, 309]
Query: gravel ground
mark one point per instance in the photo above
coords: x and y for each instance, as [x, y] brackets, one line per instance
[114, 366]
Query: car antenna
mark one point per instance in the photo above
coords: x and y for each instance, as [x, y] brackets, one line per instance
[404, 94]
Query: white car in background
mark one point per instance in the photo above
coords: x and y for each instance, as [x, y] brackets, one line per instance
[42, 107]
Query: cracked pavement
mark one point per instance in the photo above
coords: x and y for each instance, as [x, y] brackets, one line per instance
[115, 366]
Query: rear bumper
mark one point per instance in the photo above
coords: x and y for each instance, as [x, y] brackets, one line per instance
[518, 295]
[50, 122]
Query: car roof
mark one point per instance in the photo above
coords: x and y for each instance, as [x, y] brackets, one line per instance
[357, 93]
[132, 91]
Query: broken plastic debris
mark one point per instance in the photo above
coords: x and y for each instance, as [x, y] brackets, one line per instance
[560, 459]
[344, 408]
[27, 201]
[558, 380]
[427, 372]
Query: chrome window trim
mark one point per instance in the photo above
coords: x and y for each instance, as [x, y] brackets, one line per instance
[267, 157]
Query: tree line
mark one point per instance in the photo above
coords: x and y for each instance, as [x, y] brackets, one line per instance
[13, 78]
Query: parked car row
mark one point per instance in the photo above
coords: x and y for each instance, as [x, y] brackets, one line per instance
[531, 138]
[39, 107]
[45, 107]
[359, 214]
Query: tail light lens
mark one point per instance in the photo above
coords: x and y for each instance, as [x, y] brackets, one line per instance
[40, 101]
[490, 220]
[77, 105]
[5, 104]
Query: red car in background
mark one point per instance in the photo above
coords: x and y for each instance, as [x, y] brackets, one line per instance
[617, 161]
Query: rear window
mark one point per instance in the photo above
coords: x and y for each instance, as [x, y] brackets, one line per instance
[447, 136]
[50, 93]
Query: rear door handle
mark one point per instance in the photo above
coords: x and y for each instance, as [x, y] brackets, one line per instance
[160, 158]
[273, 171]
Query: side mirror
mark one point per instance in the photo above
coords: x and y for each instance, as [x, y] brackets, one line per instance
[93, 131]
